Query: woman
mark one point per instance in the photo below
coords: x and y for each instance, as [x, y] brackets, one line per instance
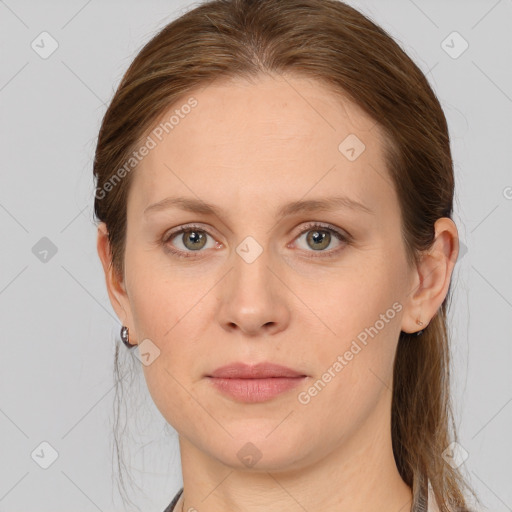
[274, 197]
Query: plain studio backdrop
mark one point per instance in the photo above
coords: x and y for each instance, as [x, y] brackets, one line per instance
[58, 328]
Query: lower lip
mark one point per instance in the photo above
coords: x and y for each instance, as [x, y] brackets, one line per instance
[255, 390]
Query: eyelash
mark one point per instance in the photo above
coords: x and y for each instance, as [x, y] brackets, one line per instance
[309, 227]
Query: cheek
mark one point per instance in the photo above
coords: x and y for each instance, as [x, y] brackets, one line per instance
[160, 297]
[355, 362]
[357, 302]
[166, 310]
[355, 374]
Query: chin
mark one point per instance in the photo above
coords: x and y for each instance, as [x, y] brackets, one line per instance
[258, 451]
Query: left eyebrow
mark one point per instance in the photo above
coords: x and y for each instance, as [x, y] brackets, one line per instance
[324, 204]
[302, 206]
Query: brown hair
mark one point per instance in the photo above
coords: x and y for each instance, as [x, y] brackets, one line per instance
[334, 43]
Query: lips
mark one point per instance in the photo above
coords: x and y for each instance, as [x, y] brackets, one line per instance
[257, 371]
[254, 383]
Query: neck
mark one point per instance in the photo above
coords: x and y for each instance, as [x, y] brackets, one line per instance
[359, 474]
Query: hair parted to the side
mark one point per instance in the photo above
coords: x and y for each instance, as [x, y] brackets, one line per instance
[334, 43]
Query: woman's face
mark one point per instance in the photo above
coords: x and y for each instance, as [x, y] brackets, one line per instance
[257, 281]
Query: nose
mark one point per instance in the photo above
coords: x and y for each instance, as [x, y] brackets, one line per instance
[253, 298]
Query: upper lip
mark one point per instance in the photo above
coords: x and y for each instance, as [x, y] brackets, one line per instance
[254, 371]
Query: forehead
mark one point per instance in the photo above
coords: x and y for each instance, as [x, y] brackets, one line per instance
[274, 135]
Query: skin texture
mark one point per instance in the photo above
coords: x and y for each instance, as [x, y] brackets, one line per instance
[250, 147]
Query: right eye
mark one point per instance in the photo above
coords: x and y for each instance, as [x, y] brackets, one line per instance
[192, 239]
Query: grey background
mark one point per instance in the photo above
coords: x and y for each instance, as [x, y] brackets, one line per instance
[58, 327]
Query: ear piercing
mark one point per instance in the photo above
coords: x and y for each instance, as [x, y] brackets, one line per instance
[125, 337]
[420, 323]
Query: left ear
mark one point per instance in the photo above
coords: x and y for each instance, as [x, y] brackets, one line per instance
[432, 277]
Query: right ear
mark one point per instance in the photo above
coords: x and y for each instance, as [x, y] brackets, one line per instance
[115, 287]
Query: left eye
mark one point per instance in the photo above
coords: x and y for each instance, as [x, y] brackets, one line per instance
[319, 237]
[193, 239]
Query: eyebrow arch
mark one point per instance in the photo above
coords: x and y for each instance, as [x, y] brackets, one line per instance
[190, 204]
